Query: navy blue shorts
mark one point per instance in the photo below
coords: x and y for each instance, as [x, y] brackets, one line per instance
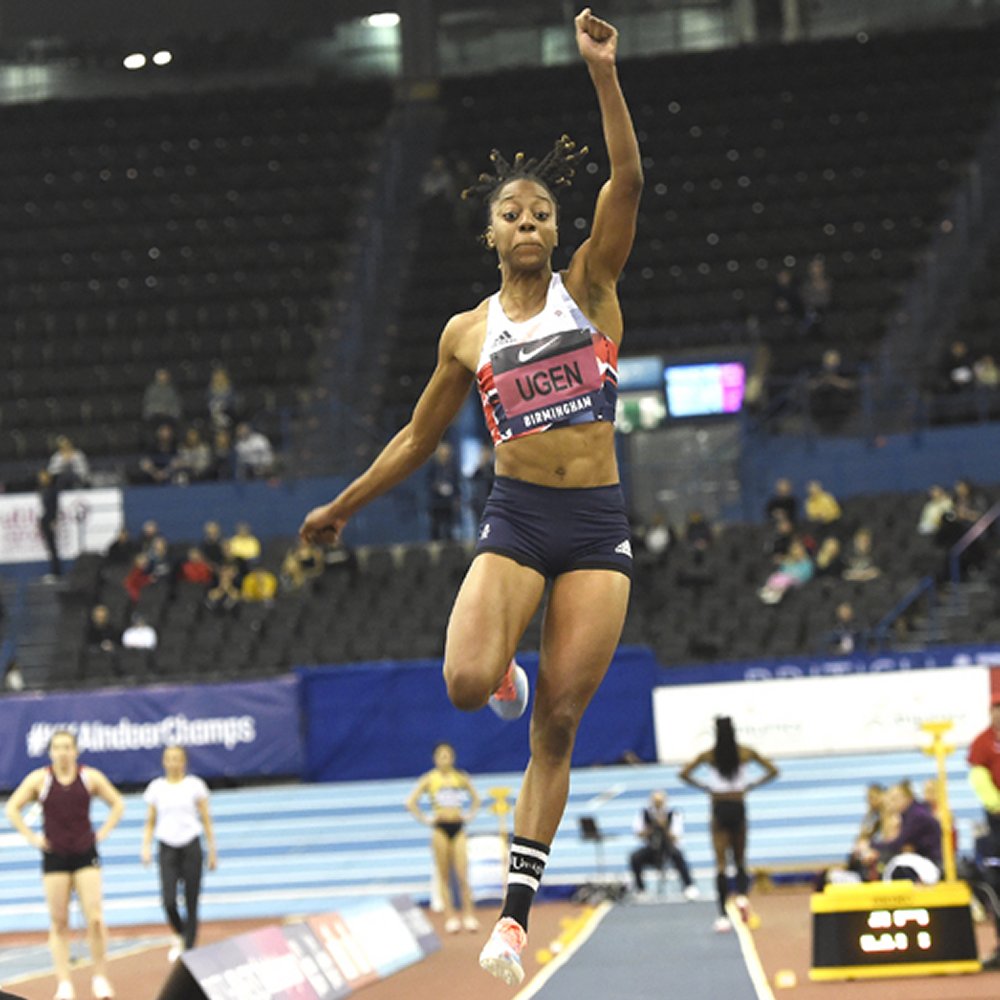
[556, 530]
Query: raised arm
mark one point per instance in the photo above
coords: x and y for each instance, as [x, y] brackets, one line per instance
[613, 230]
[438, 405]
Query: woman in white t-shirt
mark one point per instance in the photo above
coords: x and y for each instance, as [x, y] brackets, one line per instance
[178, 815]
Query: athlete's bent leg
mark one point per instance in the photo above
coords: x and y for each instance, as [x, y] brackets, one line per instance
[494, 605]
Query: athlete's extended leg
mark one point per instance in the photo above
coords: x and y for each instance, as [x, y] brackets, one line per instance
[58, 886]
[577, 646]
[739, 848]
[494, 605]
[721, 846]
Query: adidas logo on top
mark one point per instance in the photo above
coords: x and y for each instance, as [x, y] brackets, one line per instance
[624, 548]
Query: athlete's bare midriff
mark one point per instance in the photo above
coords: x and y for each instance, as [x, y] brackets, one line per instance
[574, 457]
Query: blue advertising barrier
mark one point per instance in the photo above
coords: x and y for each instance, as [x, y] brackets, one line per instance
[236, 730]
[381, 720]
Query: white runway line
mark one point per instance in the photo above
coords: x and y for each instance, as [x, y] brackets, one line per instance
[750, 957]
[551, 968]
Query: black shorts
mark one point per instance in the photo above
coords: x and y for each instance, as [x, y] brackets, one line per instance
[554, 530]
[729, 815]
[53, 862]
[451, 829]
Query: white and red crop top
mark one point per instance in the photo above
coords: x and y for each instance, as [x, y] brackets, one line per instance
[552, 370]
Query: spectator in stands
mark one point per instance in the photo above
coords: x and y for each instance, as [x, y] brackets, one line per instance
[657, 537]
[660, 830]
[223, 464]
[795, 570]
[445, 495]
[786, 302]
[161, 403]
[870, 828]
[138, 577]
[783, 500]
[955, 373]
[160, 564]
[821, 506]
[860, 563]
[832, 393]
[123, 549]
[970, 504]
[139, 635]
[438, 184]
[195, 568]
[986, 372]
[698, 533]
[243, 547]
[13, 679]
[225, 595]
[68, 465]
[48, 522]
[816, 292]
[481, 482]
[259, 585]
[101, 635]
[221, 398]
[157, 465]
[254, 454]
[194, 458]
[212, 545]
[781, 537]
[919, 834]
[846, 632]
[302, 563]
[148, 534]
[937, 505]
[829, 558]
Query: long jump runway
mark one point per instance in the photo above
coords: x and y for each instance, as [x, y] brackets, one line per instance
[648, 951]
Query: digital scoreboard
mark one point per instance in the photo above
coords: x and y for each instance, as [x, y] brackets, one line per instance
[888, 929]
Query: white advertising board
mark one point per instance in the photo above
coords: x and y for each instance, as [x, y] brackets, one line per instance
[854, 713]
[89, 520]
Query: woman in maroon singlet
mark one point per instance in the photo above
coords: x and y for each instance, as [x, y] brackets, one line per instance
[69, 851]
[543, 353]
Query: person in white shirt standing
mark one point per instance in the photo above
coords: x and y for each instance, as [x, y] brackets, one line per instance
[178, 815]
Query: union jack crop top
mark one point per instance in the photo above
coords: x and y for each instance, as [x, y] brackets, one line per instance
[553, 370]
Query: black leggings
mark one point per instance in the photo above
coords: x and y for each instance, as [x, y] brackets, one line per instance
[181, 864]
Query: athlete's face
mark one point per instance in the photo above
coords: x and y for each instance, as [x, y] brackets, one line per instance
[523, 225]
[444, 758]
[174, 762]
[63, 752]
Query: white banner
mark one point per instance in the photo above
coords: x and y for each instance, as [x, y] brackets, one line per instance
[854, 713]
[89, 520]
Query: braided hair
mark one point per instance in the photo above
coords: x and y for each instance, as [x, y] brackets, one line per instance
[554, 170]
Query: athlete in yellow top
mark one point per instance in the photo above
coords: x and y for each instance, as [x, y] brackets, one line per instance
[454, 802]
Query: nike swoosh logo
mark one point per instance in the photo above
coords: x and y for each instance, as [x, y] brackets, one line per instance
[523, 355]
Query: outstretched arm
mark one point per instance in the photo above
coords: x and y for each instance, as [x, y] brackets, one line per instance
[613, 231]
[687, 773]
[440, 401]
[770, 771]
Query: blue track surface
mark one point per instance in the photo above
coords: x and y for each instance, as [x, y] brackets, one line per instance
[294, 849]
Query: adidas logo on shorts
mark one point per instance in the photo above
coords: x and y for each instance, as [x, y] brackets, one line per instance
[485, 533]
[624, 548]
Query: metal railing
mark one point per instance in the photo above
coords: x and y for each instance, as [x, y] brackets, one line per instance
[967, 540]
[878, 635]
